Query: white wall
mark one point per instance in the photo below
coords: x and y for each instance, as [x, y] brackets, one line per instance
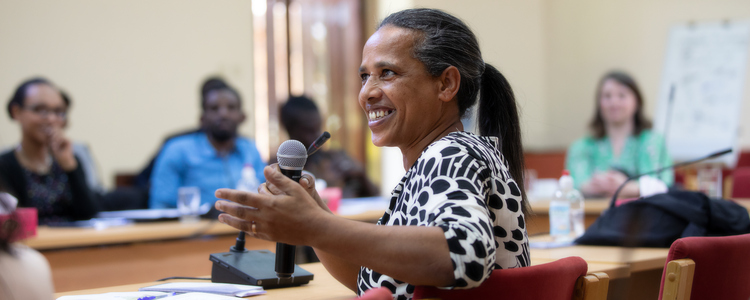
[586, 38]
[554, 51]
[132, 67]
[511, 36]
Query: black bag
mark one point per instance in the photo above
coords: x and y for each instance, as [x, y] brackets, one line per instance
[659, 220]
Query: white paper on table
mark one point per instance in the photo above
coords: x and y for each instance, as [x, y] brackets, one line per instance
[207, 296]
[239, 290]
[115, 296]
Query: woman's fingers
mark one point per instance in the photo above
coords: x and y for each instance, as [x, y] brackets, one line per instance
[237, 210]
[241, 197]
[307, 182]
[278, 183]
[241, 224]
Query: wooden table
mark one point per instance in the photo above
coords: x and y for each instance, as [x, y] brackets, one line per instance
[613, 270]
[323, 286]
[82, 258]
[637, 259]
[636, 272]
[69, 237]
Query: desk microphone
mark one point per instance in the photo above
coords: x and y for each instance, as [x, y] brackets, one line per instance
[256, 267]
[292, 157]
[685, 163]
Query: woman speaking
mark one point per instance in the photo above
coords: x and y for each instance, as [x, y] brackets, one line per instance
[458, 213]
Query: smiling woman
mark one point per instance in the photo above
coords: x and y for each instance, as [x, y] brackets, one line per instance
[42, 170]
[458, 213]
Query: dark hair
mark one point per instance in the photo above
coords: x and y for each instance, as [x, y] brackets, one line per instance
[639, 121]
[293, 107]
[215, 84]
[441, 41]
[20, 94]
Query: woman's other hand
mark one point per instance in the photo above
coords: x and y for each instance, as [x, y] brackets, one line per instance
[284, 212]
[61, 149]
[607, 183]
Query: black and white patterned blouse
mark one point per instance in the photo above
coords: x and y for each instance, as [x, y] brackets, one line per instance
[461, 184]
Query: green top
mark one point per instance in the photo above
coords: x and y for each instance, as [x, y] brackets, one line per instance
[643, 153]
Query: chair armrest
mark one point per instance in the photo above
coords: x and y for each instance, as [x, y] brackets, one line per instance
[679, 279]
[593, 286]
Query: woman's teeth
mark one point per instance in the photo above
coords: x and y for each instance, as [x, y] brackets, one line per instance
[377, 115]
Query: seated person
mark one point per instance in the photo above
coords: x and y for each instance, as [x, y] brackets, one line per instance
[42, 171]
[210, 159]
[136, 196]
[460, 210]
[301, 119]
[621, 144]
[24, 272]
[143, 179]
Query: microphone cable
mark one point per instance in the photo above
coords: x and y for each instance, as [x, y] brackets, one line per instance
[710, 156]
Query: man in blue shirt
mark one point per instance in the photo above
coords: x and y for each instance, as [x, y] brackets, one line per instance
[209, 159]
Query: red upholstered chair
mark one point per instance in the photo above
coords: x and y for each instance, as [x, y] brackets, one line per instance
[707, 268]
[563, 279]
[380, 293]
[741, 183]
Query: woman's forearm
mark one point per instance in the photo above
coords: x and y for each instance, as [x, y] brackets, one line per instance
[418, 255]
[344, 271]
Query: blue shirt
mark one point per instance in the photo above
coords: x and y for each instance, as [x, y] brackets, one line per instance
[191, 160]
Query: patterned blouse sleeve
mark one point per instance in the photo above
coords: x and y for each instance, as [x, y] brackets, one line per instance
[455, 202]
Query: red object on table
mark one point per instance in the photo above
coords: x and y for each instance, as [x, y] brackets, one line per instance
[26, 217]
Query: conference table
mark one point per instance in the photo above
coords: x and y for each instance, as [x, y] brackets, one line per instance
[323, 285]
[85, 258]
[82, 258]
[638, 272]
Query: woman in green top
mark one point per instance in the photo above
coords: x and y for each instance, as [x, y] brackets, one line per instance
[621, 143]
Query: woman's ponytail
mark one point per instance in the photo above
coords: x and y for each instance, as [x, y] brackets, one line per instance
[498, 116]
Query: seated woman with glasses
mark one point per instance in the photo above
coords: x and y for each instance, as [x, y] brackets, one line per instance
[42, 171]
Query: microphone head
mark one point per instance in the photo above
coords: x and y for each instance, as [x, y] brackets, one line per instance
[291, 155]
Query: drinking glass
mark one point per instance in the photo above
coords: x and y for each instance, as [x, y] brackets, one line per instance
[188, 203]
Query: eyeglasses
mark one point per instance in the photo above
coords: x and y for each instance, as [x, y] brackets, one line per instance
[44, 111]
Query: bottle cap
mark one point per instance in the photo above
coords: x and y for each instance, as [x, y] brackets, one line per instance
[566, 181]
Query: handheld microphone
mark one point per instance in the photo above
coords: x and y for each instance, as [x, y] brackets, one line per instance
[318, 143]
[292, 157]
[685, 163]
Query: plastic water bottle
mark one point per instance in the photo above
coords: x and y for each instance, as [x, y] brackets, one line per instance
[566, 210]
[248, 182]
[575, 198]
[559, 212]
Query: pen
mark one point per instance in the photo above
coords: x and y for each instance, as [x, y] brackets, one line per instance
[157, 297]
